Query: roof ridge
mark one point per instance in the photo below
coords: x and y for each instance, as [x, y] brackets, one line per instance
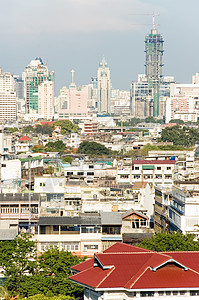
[111, 270]
[145, 267]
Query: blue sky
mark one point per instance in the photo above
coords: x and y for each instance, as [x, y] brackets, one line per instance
[75, 34]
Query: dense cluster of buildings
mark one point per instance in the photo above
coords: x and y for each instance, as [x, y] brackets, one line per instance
[87, 204]
[31, 96]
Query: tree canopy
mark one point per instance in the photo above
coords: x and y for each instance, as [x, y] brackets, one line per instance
[174, 241]
[66, 126]
[184, 136]
[93, 148]
[29, 275]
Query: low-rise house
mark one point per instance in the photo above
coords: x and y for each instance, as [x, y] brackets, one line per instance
[23, 144]
[83, 235]
[128, 272]
[33, 164]
[19, 211]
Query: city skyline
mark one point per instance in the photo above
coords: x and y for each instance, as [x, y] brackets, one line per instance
[76, 34]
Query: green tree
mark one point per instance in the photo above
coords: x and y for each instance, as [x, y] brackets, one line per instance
[174, 241]
[177, 121]
[43, 129]
[93, 148]
[17, 258]
[66, 126]
[180, 136]
[54, 266]
[67, 159]
[57, 146]
[43, 297]
[27, 129]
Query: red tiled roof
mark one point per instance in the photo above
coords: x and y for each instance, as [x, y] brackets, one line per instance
[126, 266]
[124, 248]
[153, 162]
[24, 138]
[84, 265]
[48, 123]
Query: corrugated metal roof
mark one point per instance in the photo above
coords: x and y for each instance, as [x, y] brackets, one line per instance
[111, 218]
[88, 220]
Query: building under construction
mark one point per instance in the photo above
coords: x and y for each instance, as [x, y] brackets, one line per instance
[153, 66]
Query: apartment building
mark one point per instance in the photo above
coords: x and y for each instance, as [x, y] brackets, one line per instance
[153, 171]
[184, 210]
[83, 235]
[161, 207]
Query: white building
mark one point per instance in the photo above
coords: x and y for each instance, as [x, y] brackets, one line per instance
[153, 171]
[10, 169]
[182, 108]
[46, 99]
[184, 210]
[8, 106]
[104, 88]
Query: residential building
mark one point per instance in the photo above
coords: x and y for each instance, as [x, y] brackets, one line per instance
[153, 171]
[75, 101]
[103, 88]
[182, 108]
[35, 73]
[19, 211]
[83, 235]
[90, 127]
[23, 144]
[46, 99]
[127, 272]
[161, 208]
[184, 210]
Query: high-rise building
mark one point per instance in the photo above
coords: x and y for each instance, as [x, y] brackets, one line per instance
[7, 97]
[35, 73]
[46, 99]
[153, 65]
[74, 101]
[104, 88]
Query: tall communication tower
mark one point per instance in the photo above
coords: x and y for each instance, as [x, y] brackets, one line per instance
[153, 64]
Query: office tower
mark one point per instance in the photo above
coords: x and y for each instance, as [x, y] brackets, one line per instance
[153, 65]
[6, 82]
[35, 73]
[74, 101]
[7, 97]
[104, 88]
[46, 99]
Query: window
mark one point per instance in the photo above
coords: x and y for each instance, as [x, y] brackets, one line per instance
[168, 293]
[80, 173]
[175, 293]
[55, 227]
[136, 168]
[158, 168]
[90, 247]
[194, 293]
[161, 293]
[90, 173]
[147, 294]
[168, 168]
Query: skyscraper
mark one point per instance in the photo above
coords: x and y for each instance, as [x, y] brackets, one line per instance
[104, 88]
[35, 73]
[153, 65]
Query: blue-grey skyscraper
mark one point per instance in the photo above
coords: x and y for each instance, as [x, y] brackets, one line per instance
[153, 65]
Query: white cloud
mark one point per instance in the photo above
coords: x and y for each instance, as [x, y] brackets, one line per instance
[42, 16]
